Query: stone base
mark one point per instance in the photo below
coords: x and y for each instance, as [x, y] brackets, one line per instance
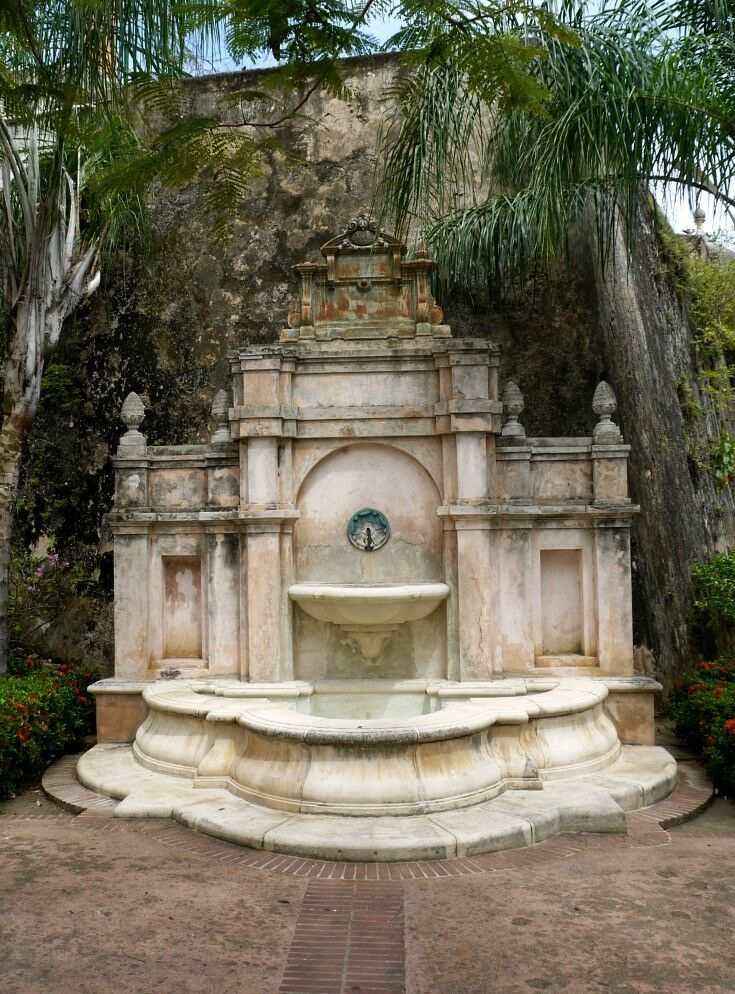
[120, 709]
[596, 803]
[630, 705]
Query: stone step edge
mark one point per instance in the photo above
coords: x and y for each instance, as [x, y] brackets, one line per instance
[692, 777]
[60, 785]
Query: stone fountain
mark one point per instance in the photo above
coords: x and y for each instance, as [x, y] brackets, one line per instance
[371, 619]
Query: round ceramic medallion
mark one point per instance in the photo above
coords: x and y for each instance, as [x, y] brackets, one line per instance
[368, 529]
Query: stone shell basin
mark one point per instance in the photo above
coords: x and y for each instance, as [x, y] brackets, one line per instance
[368, 616]
[447, 746]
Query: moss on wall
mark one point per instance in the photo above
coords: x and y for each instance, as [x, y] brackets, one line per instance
[668, 416]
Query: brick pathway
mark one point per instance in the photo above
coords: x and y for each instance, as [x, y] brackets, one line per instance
[98, 904]
[348, 938]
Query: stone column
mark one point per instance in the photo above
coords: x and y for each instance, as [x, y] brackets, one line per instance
[475, 579]
[262, 472]
[263, 562]
[614, 611]
[131, 605]
[471, 467]
[131, 548]
[263, 580]
[513, 449]
[517, 590]
[476, 588]
[243, 620]
[450, 577]
[609, 454]
[223, 591]
[287, 578]
[610, 474]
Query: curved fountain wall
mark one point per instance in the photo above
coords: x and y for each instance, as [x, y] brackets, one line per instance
[466, 751]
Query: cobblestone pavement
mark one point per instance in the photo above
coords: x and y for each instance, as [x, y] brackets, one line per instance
[91, 905]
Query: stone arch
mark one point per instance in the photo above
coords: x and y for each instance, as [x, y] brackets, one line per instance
[368, 474]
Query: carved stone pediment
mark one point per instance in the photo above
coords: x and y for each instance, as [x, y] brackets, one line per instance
[360, 233]
[365, 288]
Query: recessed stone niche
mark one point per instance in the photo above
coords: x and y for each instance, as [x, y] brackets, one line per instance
[182, 607]
[561, 602]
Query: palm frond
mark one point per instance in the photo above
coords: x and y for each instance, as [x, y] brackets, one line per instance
[643, 94]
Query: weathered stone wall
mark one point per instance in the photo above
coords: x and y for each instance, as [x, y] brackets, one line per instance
[650, 361]
[165, 320]
[241, 291]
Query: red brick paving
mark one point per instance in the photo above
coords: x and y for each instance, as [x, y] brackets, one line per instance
[95, 904]
[348, 939]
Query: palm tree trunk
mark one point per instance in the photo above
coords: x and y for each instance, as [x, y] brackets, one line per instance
[22, 387]
[11, 445]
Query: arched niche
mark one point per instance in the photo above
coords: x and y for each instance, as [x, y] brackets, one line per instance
[353, 477]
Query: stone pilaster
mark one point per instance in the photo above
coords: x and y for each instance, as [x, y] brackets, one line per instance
[262, 472]
[614, 610]
[477, 581]
[264, 603]
[223, 587]
[517, 593]
[131, 605]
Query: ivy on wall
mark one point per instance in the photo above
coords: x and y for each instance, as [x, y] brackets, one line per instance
[705, 284]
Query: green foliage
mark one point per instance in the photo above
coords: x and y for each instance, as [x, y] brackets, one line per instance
[308, 39]
[223, 160]
[41, 588]
[690, 406]
[93, 75]
[705, 288]
[295, 31]
[714, 588]
[66, 70]
[702, 705]
[44, 712]
[711, 284]
[708, 287]
[627, 94]
[67, 479]
[64, 453]
[722, 460]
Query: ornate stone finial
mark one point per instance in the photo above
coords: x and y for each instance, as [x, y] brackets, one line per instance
[513, 407]
[220, 414]
[699, 218]
[361, 231]
[132, 414]
[422, 250]
[604, 405]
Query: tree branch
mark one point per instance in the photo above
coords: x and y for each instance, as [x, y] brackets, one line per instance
[20, 176]
[704, 185]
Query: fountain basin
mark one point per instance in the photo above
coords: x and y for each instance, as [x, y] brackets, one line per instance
[305, 751]
[368, 616]
[348, 605]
